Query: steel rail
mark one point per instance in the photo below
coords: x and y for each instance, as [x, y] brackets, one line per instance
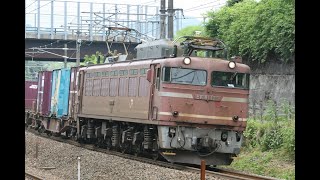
[31, 176]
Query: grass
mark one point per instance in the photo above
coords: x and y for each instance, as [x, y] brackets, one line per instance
[267, 163]
[269, 144]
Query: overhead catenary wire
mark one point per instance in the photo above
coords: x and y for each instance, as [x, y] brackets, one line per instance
[199, 6]
[142, 17]
[41, 6]
[218, 5]
[125, 26]
[50, 44]
[31, 4]
[97, 23]
[41, 51]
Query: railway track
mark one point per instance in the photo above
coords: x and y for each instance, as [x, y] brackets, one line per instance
[215, 172]
[32, 177]
[231, 174]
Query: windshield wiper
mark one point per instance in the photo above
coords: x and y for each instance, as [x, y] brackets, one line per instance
[234, 75]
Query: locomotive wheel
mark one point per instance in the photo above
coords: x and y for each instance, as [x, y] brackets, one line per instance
[99, 143]
[74, 137]
[108, 143]
[65, 136]
[155, 156]
[137, 150]
[40, 129]
[49, 133]
[123, 148]
[29, 121]
[123, 151]
[56, 134]
[68, 132]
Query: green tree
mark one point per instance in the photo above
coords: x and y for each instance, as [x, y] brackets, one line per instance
[191, 31]
[258, 31]
[94, 58]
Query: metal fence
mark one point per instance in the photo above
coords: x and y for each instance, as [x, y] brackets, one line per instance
[87, 19]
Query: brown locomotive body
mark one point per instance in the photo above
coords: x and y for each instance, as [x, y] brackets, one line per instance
[185, 108]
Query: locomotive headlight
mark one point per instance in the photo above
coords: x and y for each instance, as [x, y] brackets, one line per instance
[187, 61]
[232, 64]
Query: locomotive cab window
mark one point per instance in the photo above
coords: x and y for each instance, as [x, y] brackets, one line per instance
[184, 76]
[230, 79]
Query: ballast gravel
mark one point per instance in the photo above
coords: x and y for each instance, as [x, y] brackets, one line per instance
[59, 161]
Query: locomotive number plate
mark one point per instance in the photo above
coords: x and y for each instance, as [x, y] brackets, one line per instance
[207, 97]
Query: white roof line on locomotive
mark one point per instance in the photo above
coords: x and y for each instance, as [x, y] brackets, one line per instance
[147, 62]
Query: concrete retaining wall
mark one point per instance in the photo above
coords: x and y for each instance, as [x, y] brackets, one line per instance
[271, 81]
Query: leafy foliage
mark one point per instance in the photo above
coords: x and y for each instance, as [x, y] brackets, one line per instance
[288, 134]
[256, 30]
[272, 139]
[271, 111]
[190, 31]
[273, 131]
[269, 146]
[94, 58]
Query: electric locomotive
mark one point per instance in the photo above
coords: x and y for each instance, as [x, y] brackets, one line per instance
[175, 99]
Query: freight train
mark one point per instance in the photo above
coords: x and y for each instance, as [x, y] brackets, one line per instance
[174, 100]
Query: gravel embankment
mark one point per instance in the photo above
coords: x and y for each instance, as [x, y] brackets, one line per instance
[61, 162]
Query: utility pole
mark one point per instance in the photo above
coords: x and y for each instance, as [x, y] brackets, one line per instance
[162, 19]
[78, 50]
[170, 19]
[66, 55]
[163, 16]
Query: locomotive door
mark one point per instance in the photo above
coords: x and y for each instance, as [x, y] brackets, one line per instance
[154, 77]
[80, 85]
[73, 91]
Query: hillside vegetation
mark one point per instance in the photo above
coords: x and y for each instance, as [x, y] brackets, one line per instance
[269, 144]
[257, 31]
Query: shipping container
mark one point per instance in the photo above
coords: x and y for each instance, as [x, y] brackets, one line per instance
[60, 92]
[44, 92]
[30, 95]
